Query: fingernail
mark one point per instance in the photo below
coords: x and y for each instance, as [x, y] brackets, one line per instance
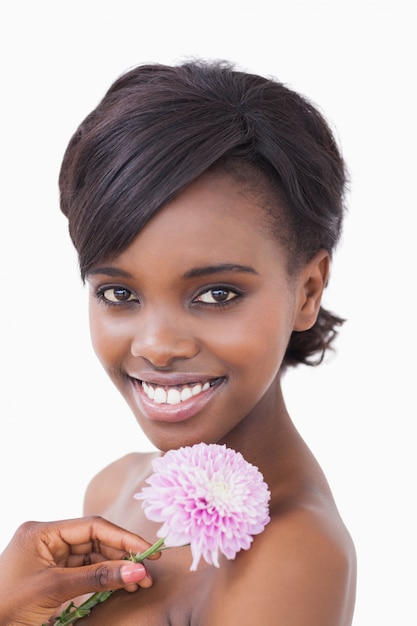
[132, 572]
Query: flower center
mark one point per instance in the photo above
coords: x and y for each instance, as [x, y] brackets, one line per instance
[220, 496]
[220, 490]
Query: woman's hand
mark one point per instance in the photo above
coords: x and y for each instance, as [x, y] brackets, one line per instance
[48, 563]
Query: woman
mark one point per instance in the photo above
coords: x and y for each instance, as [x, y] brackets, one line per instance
[205, 204]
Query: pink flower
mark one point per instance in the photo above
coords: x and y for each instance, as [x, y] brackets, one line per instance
[207, 496]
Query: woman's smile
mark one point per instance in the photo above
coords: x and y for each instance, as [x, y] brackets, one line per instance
[192, 320]
[174, 403]
[175, 394]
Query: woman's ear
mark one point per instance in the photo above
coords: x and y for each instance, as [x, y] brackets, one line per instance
[311, 284]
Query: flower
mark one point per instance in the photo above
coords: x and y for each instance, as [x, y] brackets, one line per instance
[207, 496]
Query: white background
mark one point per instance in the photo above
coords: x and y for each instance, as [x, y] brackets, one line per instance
[61, 419]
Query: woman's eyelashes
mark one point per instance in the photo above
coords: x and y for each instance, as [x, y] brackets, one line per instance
[117, 295]
[217, 296]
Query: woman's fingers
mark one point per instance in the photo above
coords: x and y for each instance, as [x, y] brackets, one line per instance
[88, 536]
[48, 563]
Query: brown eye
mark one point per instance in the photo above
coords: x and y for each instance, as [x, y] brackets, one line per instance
[216, 296]
[117, 294]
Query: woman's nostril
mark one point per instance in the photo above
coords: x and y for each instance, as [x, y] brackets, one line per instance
[161, 351]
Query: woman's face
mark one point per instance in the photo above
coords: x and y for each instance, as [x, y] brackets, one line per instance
[192, 320]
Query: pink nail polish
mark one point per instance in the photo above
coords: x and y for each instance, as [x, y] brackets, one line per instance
[132, 572]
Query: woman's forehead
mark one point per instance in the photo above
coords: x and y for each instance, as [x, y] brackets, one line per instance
[213, 221]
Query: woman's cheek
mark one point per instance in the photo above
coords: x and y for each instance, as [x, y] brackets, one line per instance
[109, 338]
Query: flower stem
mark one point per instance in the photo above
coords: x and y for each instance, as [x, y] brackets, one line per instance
[140, 556]
[73, 613]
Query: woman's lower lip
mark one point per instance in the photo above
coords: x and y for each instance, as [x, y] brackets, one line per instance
[172, 412]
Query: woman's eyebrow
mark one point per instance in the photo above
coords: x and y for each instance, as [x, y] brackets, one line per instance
[109, 271]
[208, 270]
[205, 270]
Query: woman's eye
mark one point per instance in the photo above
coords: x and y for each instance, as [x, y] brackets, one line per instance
[217, 295]
[116, 294]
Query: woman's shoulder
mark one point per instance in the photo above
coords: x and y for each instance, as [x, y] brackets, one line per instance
[104, 488]
[314, 549]
[301, 570]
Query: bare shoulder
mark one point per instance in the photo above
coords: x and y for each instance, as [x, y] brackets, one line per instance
[106, 486]
[301, 571]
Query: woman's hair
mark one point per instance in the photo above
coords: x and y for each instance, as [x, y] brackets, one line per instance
[159, 127]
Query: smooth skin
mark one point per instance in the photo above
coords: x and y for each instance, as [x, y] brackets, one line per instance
[48, 563]
[203, 295]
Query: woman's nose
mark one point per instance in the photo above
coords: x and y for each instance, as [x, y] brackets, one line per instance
[161, 339]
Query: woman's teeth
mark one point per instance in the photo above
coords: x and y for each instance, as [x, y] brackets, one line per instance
[173, 395]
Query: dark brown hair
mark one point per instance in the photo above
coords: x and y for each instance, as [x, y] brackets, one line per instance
[159, 127]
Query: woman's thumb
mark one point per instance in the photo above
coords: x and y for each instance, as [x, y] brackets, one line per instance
[111, 575]
[105, 576]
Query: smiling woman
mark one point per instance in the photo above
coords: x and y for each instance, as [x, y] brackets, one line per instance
[174, 336]
[205, 205]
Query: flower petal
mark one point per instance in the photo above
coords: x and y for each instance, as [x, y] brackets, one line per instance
[208, 496]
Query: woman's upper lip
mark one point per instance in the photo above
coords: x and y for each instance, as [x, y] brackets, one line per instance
[173, 379]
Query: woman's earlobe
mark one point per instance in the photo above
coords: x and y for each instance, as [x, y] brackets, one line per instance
[312, 282]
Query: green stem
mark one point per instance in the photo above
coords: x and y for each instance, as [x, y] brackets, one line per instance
[72, 613]
[140, 556]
